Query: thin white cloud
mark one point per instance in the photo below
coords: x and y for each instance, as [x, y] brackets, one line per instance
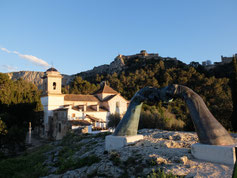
[8, 68]
[34, 60]
[4, 49]
[30, 58]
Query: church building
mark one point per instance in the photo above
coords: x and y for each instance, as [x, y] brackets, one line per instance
[63, 112]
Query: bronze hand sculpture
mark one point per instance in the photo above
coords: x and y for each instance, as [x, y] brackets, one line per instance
[208, 129]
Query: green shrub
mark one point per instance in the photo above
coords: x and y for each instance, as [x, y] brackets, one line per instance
[27, 165]
[159, 117]
[70, 163]
[161, 174]
[114, 120]
[171, 123]
[115, 158]
[71, 138]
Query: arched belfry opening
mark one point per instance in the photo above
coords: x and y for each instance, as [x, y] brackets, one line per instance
[54, 85]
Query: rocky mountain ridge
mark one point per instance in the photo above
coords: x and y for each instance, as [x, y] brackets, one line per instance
[117, 65]
[36, 77]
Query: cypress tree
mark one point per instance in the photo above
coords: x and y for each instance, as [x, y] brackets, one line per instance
[234, 94]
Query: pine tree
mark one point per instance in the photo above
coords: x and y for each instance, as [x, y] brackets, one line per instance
[234, 94]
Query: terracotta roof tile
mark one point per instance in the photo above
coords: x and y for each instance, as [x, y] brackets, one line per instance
[61, 109]
[109, 98]
[79, 122]
[91, 108]
[95, 119]
[106, 89]
[74, 97]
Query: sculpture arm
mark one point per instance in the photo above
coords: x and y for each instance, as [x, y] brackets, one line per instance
[146, 94]
[208, 129]
[129, 124]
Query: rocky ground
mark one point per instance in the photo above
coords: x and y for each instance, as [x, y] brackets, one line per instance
[159, 150]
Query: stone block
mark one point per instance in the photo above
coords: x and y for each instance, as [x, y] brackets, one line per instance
[214, 153]
[116, 142]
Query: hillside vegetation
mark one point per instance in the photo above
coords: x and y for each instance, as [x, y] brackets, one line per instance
[19, 105]
[213, 86]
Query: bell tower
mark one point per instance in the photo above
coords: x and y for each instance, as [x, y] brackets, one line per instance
[52, 82]
[52, 97]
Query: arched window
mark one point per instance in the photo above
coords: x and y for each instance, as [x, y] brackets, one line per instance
[117, 109]
[54, 85]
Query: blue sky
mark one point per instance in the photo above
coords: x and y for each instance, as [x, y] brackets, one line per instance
[76, 35]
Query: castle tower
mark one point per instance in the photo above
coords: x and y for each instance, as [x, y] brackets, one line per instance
[52, 97]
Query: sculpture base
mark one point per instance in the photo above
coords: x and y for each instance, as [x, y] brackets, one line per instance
[116, 142]
[215, 153]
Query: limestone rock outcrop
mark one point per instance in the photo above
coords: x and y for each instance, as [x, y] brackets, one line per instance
[36, 77]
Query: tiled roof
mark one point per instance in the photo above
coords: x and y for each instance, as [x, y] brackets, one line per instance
[79, 122]
[106, 89]
[61, 109]
[95, 119]
[109, 97]
[74, 97]
[91, 108]
[112, 96]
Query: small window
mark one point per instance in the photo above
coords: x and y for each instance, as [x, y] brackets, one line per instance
[117, 104]
[54, 85]
[117, 107]
[59, 127]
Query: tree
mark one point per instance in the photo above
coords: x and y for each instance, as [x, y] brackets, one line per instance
[114, 120]
[3, 128]
[80, 86]
[19, 104]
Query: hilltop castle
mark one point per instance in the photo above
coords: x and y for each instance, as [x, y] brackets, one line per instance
[208, 65]
[63, 112]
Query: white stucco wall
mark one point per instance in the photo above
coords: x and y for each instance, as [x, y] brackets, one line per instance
[122, 105]
[55, 100]
[50, 103]
[100, 115]
[78, 114]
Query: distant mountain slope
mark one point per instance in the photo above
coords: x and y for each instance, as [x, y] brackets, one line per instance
[123, 62]
[118, 64]
[128, 63]
[115, 66]
[31, 76]
[36, 77]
